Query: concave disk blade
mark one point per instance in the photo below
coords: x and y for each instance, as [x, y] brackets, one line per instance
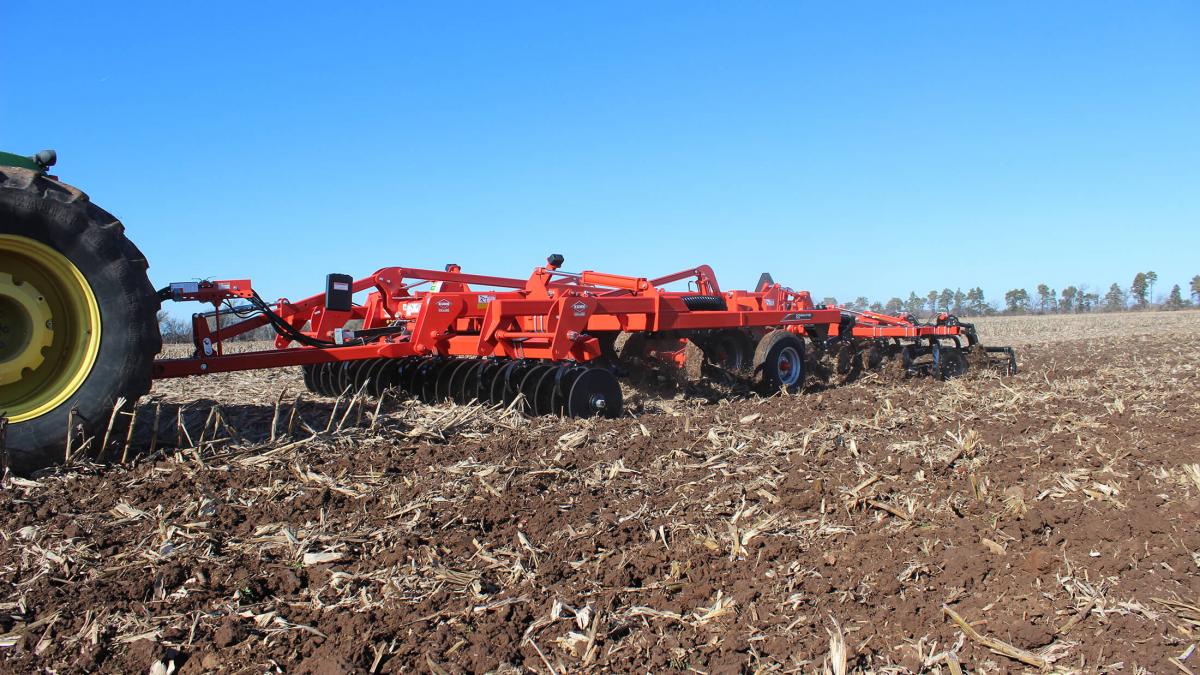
[379, 376]
[406, 375]
[444, 390]
[458, 382]
[309, 372]
[595, 392]
[500, 382]
[483, 379]
[326, 381]
[562, 387]
[543, 395]
[513, 375]
[342, 377]
[426, 379]
[355, 370]
[529, 385]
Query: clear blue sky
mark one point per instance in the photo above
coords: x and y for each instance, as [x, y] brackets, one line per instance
[849, 148]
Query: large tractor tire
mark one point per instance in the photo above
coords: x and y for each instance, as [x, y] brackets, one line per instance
[78, 317]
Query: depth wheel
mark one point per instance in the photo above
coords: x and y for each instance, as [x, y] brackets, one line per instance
[779, 362]
[78, 324]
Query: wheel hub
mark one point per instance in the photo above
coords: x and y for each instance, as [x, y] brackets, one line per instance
[789, 366]
[49, 328]
[26, 328]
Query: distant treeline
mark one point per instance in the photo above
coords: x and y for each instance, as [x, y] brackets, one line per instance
[1045, 300]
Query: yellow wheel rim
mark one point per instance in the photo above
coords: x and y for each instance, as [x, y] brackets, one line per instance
[49, 328]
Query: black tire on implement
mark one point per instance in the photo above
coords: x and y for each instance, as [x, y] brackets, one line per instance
[779, 362]
[63, 218]
[705, 303]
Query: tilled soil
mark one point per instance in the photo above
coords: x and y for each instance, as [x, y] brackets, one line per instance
[1053, 513]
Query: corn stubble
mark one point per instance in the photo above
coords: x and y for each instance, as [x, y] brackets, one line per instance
[1044, 522]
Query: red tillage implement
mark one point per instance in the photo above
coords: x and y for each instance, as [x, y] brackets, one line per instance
[548, 339]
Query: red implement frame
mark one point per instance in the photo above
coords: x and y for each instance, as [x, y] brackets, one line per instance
[872, 325]
[552, 315]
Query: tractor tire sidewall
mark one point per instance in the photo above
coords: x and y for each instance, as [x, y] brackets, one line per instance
[63, 218]
[766, 361]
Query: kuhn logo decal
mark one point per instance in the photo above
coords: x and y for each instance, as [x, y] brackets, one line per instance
[443, 305]
[580, 308]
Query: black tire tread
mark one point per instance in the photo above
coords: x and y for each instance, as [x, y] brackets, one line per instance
[705, 303]
[763, 351]
[65, 218]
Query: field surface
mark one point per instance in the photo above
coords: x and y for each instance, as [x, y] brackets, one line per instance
[1042, 522]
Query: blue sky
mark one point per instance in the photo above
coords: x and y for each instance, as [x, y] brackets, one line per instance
[848, 148]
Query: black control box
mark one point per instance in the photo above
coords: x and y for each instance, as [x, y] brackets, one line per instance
[339, 292]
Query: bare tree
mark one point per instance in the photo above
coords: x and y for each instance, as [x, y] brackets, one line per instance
[173, 329]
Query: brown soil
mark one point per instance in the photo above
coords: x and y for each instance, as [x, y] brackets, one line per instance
[1054, 511]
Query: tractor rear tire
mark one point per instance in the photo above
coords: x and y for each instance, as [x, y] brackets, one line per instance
[77, 313]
